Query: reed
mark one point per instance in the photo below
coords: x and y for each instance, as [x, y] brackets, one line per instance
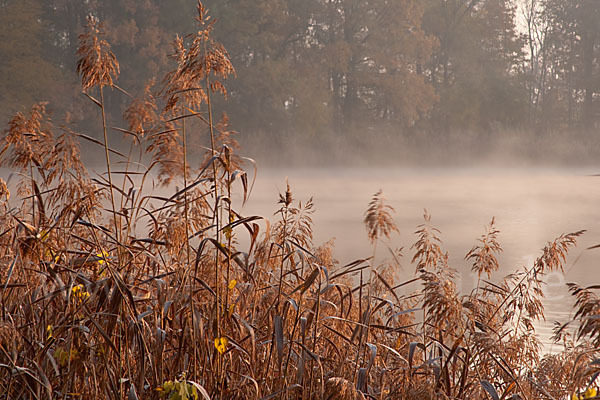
[158, 299]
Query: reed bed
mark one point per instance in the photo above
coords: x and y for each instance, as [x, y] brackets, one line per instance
[92, 308]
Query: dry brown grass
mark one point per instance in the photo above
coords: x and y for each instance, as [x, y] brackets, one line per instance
[164, 299]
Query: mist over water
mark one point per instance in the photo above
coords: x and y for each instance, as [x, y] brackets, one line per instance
[532, 206]
[496, 149]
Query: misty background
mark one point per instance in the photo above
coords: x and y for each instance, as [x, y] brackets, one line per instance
[321, 82]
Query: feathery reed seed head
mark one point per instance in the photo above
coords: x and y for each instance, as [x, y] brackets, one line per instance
[378, 218]
[96, 63]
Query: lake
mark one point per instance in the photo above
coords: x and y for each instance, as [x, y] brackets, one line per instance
[531, 207]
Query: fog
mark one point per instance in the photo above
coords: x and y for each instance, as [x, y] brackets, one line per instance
[495, 149]
[531, 206]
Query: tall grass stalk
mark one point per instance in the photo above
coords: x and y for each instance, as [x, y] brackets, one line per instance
[109, 173]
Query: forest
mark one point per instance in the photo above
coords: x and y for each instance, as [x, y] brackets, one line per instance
[343, 71]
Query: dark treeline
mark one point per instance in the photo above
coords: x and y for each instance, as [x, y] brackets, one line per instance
[334, 68]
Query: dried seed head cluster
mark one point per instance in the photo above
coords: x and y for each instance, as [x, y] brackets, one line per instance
[4, 190]
[167, 152]
[286, 199]
[186, 85]
[587, 305]
[296, 222]
[28, 139]
[428, 255]
[142, 115]
[483, 255]
[96, 63]
[175, 233]
[378, 218]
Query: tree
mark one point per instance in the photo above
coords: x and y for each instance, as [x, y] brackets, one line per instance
[536, 57]
[29, 75]
[475, 68]
[575, 41]
[325, 65]
[279, 88]
[374, 52]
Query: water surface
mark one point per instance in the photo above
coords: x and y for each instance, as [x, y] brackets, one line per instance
[531, 207]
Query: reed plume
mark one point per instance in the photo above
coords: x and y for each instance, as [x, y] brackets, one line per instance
[483, 255]
[96, 63]
[378, 218]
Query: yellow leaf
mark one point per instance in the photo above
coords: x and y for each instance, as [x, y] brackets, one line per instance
[103, 255]
[590, 393]
[80, 293]
[221, 344]
[43, 235]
